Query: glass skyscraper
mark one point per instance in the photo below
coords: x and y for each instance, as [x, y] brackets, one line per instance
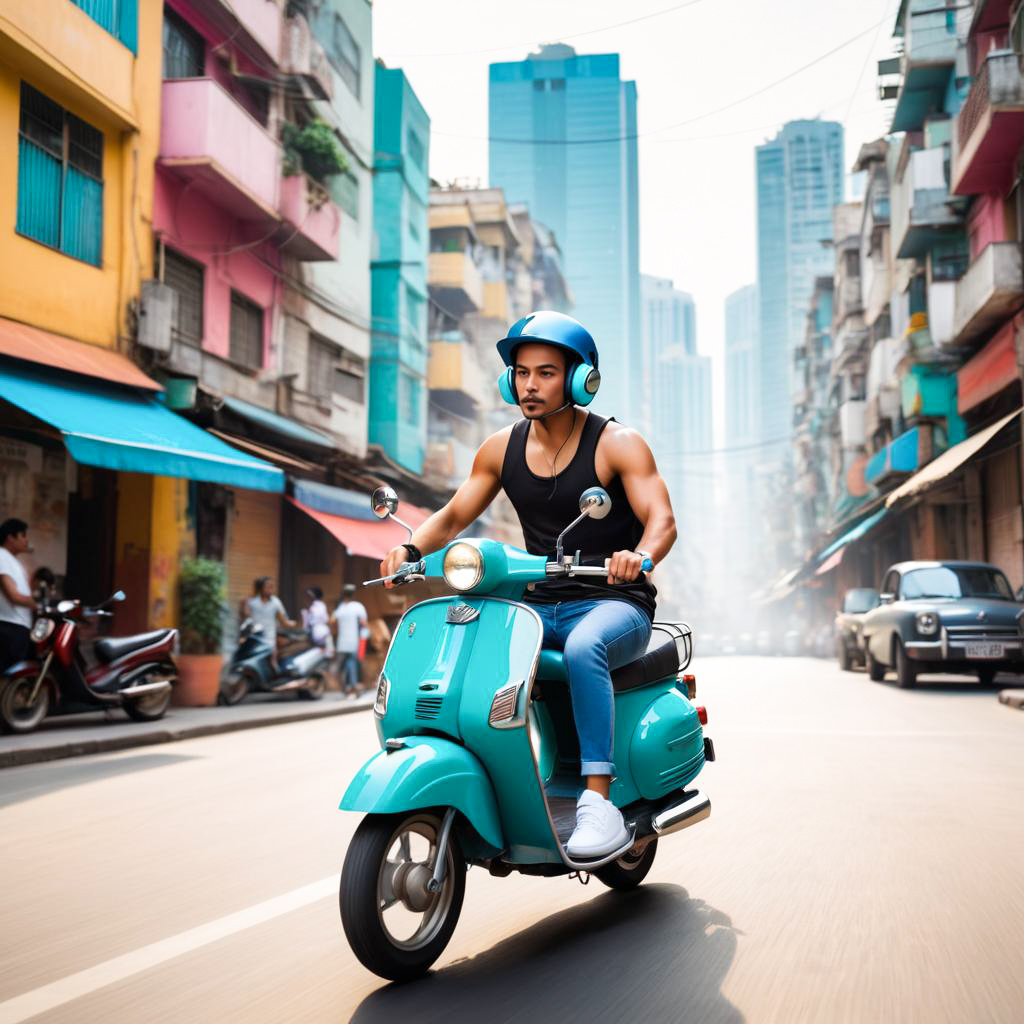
[563, 141]
[799, 181]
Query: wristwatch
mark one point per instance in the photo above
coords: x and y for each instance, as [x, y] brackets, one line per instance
[415, 555]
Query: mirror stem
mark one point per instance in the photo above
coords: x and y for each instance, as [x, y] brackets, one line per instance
[400, 523]
[558, 543]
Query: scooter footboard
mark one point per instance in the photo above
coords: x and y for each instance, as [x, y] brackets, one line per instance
[427, 771]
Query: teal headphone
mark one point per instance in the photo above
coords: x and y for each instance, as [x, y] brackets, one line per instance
[581, 384]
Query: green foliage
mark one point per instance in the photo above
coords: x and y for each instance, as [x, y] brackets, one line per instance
[313, 148]
[202, 589]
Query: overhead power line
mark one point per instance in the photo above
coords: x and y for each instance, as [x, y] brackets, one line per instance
[557, 38]
[678, 124]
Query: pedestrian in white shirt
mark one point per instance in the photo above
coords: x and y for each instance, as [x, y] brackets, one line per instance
[266, 610]
[16, 600]
[317, 619]
[349, 619]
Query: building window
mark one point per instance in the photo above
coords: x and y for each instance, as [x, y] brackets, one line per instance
[186, 278]
[184, 48]
[348, 58]
[60, 178]
[538, 85]
[246, 332]
[344, 190]
[350, 383]
[119, 17]
[557, 84]
[414, 311]
[320, 369]
[416, 151]
[409, 398]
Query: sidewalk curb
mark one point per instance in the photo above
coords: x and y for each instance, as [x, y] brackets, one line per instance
[1012, 698]
[127, 740]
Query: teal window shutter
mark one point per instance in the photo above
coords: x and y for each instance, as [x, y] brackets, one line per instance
[39, 177]
[60, 178]
[128, 24]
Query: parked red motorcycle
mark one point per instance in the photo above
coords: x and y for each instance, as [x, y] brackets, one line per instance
[131, 672]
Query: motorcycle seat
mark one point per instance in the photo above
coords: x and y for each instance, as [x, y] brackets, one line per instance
[660, 660]
[110, 648]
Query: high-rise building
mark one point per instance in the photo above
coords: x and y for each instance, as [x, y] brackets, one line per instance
[799, 181]
[676, 383]
[563, 141]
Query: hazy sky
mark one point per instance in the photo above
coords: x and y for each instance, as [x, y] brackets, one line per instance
[689, 60]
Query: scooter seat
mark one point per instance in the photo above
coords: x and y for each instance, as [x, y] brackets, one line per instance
[111, 648]
[661, 659]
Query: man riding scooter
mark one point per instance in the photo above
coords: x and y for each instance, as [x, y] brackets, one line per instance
[543, 463]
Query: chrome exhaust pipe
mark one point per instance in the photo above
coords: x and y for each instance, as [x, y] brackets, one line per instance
[157, 686]
[693, 808]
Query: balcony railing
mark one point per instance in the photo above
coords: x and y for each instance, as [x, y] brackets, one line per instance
[929, 52]
[990, 126]
[303, 57]
[896, 461]
[209, 139]
[311, 221]
[455, 282]
[453, 372]
[921, 209]
[990, 291]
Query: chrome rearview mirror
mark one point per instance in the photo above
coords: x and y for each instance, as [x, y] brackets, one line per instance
[595, 503]
[384, 502]
[118, 597]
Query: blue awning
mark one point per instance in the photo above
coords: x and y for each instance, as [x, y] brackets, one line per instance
[855, 533]
[276, 424]
[335, 501]
[124, 429]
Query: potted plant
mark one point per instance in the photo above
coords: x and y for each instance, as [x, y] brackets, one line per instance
[202, 591]
[312, 149]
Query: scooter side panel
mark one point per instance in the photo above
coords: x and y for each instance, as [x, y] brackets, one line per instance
[666, 749]
[505, 650]
[428, 771]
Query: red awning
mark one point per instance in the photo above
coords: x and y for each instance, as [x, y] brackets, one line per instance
[20, 341]
[989, 371]
[366, 538]
[831, 562]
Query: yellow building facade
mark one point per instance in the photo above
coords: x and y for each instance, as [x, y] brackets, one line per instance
[80, 129]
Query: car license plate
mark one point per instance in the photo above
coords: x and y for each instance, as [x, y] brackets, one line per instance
[984, 650]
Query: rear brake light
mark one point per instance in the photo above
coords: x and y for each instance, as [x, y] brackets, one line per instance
[702, 714]
[691, 686]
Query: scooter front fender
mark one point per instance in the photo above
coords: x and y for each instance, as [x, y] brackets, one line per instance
[427, 771]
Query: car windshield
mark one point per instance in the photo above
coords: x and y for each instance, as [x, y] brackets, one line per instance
[863, 599]
[956, 581]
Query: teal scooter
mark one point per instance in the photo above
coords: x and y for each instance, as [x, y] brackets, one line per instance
[480, 760]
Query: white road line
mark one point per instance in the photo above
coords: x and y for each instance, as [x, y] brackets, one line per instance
[74, 986]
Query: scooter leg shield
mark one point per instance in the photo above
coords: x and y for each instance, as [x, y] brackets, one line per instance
[427, 772]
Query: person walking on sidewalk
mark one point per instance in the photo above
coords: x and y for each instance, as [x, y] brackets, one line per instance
[266, 610]
[16, 600]
[350, 620]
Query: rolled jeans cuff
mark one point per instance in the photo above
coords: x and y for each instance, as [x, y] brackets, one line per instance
[597, 768]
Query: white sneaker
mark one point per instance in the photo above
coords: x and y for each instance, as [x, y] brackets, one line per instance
[599, 830]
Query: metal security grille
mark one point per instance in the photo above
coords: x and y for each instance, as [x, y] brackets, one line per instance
[186, 278]
[184, 49]
[322, 359]
[60, 186]
[246, 332]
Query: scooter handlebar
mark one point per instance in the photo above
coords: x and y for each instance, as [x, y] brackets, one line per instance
[591, 570]
[408, 572]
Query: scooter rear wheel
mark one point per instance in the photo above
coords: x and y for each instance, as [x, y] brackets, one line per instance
[150, 707]
[314, 690]
[395, 926]
[16, 713]
[234, 689]
[630, 869]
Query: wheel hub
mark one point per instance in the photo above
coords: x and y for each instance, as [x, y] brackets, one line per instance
[410, 885]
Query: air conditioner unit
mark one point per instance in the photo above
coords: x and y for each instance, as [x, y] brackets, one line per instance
[158, 312]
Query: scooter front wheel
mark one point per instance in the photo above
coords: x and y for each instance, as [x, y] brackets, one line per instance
[234, 689]
[630, 869]
[314, 688]
[18, 712]
[394, 924]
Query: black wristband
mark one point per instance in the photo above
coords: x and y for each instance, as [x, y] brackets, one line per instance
[415, 555]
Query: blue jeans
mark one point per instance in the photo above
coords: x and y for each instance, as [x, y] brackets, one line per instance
[348, 670]
[595, 637]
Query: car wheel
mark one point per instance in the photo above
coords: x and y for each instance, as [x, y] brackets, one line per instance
[987, 675]
[906, 670]
[844, 655]
[876, 670]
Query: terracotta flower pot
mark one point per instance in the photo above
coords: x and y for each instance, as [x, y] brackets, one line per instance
[198, 680]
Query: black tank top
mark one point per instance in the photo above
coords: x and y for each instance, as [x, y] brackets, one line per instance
[546, 505]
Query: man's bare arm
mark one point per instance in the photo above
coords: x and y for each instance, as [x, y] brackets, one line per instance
[466, 505]
[630, 457]
[14, 595]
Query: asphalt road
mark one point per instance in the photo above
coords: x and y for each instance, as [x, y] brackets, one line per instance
[863, 862]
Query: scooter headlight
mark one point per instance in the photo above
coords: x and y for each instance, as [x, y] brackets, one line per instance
[41, 629]
[463, 566]
[380, 705]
